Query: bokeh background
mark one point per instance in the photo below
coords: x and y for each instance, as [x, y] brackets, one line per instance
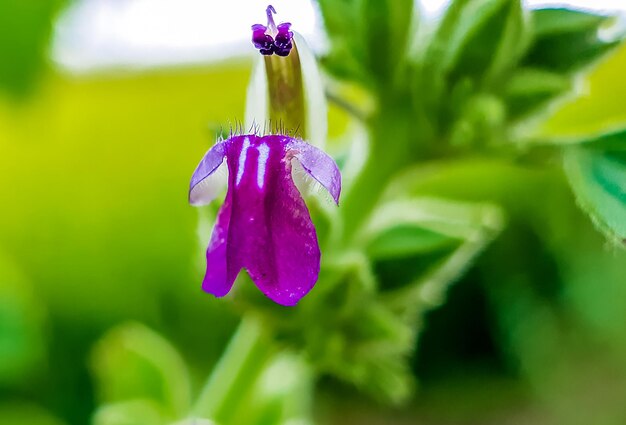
[106, 107]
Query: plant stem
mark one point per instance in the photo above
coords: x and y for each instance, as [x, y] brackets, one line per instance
[392, 141]
[242, 362]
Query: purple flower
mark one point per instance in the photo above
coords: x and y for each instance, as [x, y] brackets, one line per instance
[272, 39]
[264, 225]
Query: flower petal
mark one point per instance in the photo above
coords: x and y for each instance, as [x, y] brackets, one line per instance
[287, 261]
[264, 225]
[317, 164]
[207, 181]
[221, 267]
[285, 256]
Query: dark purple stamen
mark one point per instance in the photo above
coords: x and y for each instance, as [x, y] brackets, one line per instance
[262, 41]
[281, 43]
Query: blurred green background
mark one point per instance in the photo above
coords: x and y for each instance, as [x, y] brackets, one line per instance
[95, 232]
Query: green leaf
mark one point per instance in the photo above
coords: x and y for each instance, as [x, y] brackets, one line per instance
[337, 15]
[456, 220]
[406, 240]
[495, 39]
[530, 89]
[132, 362]
[472, 34]
[347, 52]
[474, 224]
[555, 21]
[369, 37]
[407, 227]
[384, 31]
[566, 40]
[514, 40]
[600, 107]
[474, 49]
[445, 34]
[598, 178]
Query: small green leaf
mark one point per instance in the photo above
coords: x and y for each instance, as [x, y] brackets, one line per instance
[598, 178]
[468, 36]
[514, 40]
[384, 32]
[132, 362]
[566, 40]
[406, 240]
[347, 50]
[549, 21]
[369, 38]
[442, 40]
[339, 17]
[494, 40]
[530, 89]
[456, 220]
[475, 224]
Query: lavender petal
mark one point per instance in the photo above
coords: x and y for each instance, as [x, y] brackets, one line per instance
[205, 182]
[318, 165]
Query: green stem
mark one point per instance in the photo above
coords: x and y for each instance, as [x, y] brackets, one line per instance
[234, 375]
[393, 144]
